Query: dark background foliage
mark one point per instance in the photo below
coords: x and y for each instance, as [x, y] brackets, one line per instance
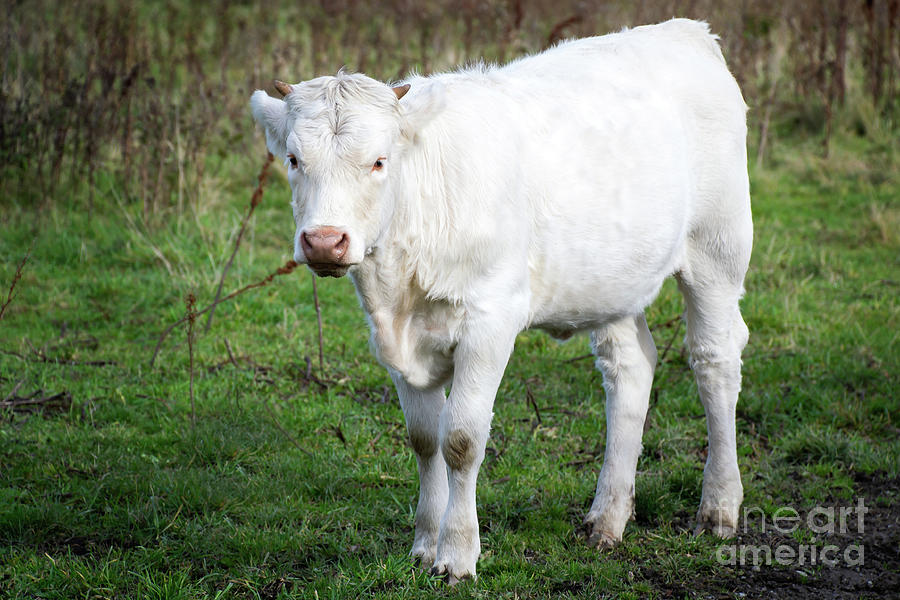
[146, 93]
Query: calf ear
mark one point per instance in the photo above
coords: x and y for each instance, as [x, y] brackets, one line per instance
[271, 114]
[423, 102]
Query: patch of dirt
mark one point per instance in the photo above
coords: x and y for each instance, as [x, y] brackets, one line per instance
[274, 589]
[37, 402]
[825, 557]
[80, 545]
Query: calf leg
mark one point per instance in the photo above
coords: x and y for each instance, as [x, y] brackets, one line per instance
[716, 334]
[479, 362]
[626, 356]
[422, 411]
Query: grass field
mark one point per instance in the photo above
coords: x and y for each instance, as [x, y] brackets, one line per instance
[127, 160]
[299, 484]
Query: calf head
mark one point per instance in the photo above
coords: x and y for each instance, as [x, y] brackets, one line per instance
[342, 139]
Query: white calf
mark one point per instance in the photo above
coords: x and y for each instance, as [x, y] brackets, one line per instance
[558, 192]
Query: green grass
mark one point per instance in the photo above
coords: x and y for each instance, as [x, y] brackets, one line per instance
[120, 496]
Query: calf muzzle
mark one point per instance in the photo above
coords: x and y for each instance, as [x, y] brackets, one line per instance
[325, 249]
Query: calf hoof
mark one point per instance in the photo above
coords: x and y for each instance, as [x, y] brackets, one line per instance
[717, 521]
[610, 512]
[599, 538]
[423, 552]
[450, 575]
[603, 527]
[422, 561]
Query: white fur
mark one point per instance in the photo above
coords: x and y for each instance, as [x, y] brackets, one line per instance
[558, 191]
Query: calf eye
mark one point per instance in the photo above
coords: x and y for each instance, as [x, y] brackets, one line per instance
[379, 164]
[293, 161]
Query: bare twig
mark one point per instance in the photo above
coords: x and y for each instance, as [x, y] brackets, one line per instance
[230, 353]
[15, 280]
[579, 357]
[255, 199]
[556, 34]
[580, 462]
[309, 377]
[283, 430]
[375, 439]
[666, 324]
[135, 227]
[654, 401]
[319, 323]
[60, 400]
[389, 429]
[14, 390]
[530, 398]
[288, 267]
[191, 316]
[662, 357]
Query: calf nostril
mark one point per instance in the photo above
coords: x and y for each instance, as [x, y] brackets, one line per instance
[341, 245]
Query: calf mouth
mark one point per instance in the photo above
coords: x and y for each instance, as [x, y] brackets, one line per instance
[328, 269]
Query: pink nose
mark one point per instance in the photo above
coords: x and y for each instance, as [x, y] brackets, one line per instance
[324, 246]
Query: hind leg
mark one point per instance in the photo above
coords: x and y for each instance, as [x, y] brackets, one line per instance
[626, 356]
[716, 334]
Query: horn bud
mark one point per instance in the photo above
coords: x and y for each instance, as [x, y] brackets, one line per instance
[401, 90]
[283, 88]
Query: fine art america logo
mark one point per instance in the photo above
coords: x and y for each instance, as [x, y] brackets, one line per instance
[806, 549]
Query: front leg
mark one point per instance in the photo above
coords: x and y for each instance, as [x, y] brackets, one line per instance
[422, 411]
[479, 361]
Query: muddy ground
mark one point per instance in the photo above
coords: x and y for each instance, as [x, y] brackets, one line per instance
[863, 560]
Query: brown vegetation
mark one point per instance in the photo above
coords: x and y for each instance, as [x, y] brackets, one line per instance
[147, 96]
[11, 293]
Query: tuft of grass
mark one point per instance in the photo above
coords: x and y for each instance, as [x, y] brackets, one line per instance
[885, 224]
